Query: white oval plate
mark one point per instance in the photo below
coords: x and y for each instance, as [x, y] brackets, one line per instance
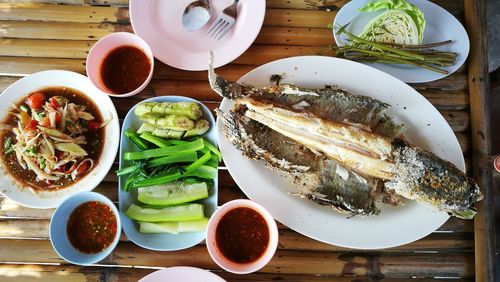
[161, 242]
[159, 23]
[440, 26]
[19, 90]
[425, 127]
[182, 273]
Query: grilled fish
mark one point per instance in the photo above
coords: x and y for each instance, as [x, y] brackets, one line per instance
[324, 181]
[352, 139]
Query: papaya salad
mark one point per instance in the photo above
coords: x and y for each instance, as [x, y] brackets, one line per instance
[52, 138]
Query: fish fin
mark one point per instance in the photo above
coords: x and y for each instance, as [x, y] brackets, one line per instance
[338, 205]
[466, 214]
[216, 82]
[277, 78]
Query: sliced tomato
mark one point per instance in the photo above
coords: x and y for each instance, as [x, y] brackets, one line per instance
[45, 122]
[83, 168]
[93, 125]
[36, 100]
[54, 103]
[31, 125]
[58, 117]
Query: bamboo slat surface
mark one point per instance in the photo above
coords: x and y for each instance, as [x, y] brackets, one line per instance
[38, 35]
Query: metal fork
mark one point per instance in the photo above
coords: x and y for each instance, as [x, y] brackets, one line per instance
[224, 22]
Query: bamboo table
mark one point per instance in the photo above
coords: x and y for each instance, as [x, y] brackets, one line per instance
[57, 34]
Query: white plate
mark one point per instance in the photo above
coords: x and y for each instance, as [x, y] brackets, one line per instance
[425, 128]
[161, 242]
[182, 273]
[440, 26]
[19, 90]
[159, 23]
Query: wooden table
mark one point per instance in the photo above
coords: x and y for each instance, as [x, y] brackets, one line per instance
[57, 34]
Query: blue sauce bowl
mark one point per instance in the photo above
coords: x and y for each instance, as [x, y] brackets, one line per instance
[58, 233]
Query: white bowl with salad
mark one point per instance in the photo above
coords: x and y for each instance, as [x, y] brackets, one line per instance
[168, 173]
[59, 137]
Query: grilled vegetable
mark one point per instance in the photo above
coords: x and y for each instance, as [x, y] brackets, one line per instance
[175, 122]
[190, 109]
[200, 127]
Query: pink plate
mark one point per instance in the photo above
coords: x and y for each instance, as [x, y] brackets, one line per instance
[182, 273]
[159, 23]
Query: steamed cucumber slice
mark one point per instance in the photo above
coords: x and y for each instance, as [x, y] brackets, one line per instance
[172, 193]
[175, 213]
[174, 227]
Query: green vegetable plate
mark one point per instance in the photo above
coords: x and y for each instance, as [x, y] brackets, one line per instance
[436, 25]
[162, 241]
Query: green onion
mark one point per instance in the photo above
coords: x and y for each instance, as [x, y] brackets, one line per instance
[160, 152]
[135, 139]
[177, 158]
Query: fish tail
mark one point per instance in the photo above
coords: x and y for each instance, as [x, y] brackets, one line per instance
[218, 84]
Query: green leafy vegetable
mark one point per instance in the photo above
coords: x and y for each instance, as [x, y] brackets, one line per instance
[402, 23]
[160, 152]
[135, 139]
[177, 158]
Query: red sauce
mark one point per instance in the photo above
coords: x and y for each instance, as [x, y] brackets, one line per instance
[91, 227]
[124, 69]
[242, 235]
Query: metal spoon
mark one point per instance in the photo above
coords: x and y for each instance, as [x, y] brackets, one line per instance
[196, 15]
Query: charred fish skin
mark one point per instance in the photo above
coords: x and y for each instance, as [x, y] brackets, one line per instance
[250, 137]
[328, 103]
[345, 191]
[322, 180]
[424, 177]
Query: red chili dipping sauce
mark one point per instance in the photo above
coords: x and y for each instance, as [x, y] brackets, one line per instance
[242, 235]
[91, 227]
[124, 69]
